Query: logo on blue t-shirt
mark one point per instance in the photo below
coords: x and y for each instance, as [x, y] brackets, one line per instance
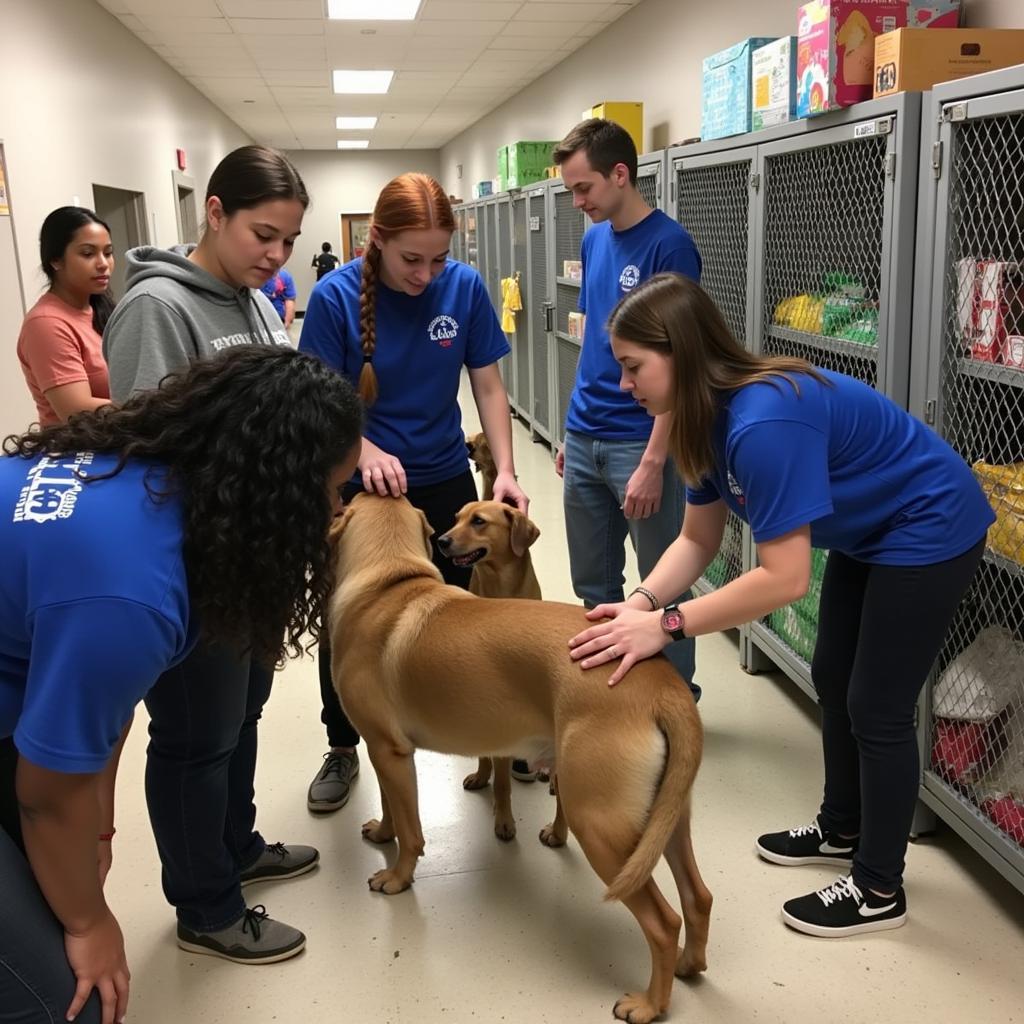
[735, 490]
[52, 489]
[630, 277]
[444, 330]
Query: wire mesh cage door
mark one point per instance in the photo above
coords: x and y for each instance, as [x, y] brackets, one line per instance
[521, 341]
[824, 213]
[648, 179]
[975, 743]
[540, 383]
[472, 256]
[459, 235]
[712, 198]
[570, 225]
[492, 274]
[503, 222]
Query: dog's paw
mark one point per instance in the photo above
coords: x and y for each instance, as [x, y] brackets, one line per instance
[388, 882]
[550, 836]
[376, 833]
[689, 964]
[476, 780]
[505, 829]
[636, 1008]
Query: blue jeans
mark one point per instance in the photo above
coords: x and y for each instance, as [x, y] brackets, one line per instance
[199, 781]
[596, 475]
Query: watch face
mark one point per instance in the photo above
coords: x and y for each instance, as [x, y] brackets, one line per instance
[672, 620]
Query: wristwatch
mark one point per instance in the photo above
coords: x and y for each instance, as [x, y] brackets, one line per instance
[672, 622]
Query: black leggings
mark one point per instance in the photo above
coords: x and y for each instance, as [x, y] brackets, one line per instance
[880, 629]
[440, 503]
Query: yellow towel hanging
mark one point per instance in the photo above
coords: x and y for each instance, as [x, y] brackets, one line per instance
[511, 303]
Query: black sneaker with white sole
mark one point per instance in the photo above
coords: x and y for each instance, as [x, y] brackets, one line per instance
[809, 844]
[844, 909]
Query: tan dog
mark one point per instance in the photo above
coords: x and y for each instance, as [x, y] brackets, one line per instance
[496, 539]
[419, 664]
[480, 454]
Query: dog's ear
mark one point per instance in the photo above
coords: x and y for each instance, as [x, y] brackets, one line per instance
[522, 531]
[428, 532]
[338, 524]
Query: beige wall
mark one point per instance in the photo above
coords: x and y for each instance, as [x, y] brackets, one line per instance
[83, 102]
[339, 183]
[652, 54]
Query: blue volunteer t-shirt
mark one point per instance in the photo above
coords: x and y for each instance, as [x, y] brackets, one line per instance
[280, 287]
[614, 263]
[871, 480]
[93, 604]
[423, 341]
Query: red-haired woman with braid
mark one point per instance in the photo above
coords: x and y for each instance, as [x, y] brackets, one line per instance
[401, 322]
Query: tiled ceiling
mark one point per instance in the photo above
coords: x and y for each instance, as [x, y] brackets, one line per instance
[267, 63]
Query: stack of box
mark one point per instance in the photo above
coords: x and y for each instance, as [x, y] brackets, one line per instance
[726, 90]
[836, 45]
[576, 322]
[628, 115]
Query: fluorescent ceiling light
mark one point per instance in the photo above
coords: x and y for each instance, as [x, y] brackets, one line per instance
[343, 123]
[362, 81]
[353, 143]
[378, 10]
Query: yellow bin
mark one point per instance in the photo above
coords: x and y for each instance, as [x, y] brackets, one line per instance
[629, 115]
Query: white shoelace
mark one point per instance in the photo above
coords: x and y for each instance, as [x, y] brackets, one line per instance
[841, 889]
[806, 830]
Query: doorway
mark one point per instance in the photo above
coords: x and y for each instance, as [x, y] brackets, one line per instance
[355, 234]
[185, 208]
[125, 212]
[16, 408]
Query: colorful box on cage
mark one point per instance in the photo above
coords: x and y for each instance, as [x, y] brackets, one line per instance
[726, 90]
[836, 45]
[626, 114]
[773, 68]
[907, 61]
[527, 162]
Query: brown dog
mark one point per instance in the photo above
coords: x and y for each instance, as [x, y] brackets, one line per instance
[495, 539]
[480, 454]
[419, 664]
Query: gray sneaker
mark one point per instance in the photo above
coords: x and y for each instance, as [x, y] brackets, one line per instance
[332, 786]
[253, 939]
[278, 861]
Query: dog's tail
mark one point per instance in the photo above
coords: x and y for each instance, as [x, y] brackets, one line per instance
[676, 717]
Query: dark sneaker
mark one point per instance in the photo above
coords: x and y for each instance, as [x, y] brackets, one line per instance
[253, 939]
[280, 861]
[806, 845]
[521, 771]
[332, 787]
[844, 909]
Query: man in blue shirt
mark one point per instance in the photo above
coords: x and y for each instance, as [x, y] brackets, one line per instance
[618, 477]
[280, 289]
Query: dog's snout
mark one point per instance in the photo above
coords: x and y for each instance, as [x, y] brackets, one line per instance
[444, 542]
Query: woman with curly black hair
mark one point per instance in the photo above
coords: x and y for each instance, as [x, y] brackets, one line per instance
[204, 503]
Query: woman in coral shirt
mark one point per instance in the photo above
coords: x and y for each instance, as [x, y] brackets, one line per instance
[60, 346]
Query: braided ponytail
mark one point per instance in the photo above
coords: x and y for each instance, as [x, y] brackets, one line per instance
[368, 389]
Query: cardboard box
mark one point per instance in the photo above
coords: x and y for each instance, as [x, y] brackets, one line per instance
[528, 161]
[726, 90]
[572, 269]
[483, 188]
[773, 67]
[629, 115]
[907, 60]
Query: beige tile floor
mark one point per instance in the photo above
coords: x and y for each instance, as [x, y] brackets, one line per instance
[518, 933]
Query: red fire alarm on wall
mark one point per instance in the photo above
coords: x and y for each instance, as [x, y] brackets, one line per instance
[181, 159]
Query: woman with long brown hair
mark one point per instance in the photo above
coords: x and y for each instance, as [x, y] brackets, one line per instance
[810, 459]
[401, 322]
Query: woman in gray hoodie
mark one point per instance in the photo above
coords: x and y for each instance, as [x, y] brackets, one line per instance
[184, 304]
